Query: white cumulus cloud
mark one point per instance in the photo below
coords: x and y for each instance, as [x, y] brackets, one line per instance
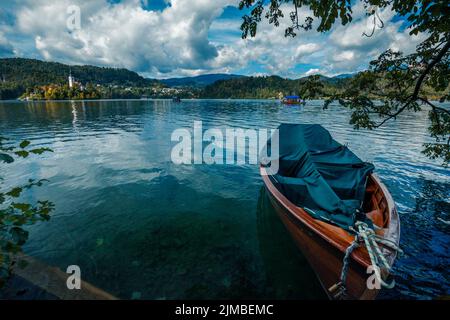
[127, 35]
[190, 37]
[312, 71]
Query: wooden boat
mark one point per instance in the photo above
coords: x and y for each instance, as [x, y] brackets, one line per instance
[324, 244]
[292, 100]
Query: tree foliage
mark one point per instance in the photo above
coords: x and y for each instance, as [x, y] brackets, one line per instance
[399, 82]
[63, 92]
[16, 214]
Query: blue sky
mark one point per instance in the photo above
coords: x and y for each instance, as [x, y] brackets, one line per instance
[171, 38]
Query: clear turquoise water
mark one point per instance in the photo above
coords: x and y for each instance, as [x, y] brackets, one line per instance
[141, 227]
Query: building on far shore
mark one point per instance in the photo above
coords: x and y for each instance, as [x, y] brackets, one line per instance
[71, 79]
[73, 82]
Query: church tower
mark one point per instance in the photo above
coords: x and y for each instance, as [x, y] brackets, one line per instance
[71, 80]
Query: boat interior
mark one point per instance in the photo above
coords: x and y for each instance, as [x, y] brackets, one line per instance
[375, 205]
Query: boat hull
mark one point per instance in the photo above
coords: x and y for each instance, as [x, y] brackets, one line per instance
[324, 245]
[299, 102]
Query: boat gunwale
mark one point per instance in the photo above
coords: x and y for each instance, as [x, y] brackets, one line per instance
[391, 233]
[360, 255]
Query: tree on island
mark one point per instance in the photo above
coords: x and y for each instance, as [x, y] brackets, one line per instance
[397, 80]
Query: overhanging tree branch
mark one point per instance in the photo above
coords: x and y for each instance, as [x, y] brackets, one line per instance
[398, 82]
[415, 95]
[428, 69]
[433, 106]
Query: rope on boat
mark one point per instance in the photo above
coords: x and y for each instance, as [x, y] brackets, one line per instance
[365, 235]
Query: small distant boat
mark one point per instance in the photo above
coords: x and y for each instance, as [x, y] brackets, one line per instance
[292, 100]
[176, 99]
[338, 212]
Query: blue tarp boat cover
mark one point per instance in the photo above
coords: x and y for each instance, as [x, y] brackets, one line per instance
[320, 175]
[292, 97]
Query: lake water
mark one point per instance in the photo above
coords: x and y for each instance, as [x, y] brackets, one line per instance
[140, 226]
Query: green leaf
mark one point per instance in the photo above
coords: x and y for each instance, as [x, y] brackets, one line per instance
[41, 150]
[6, 158]
[12, 247]
[24, 144]
[15, 192]
[22, 153]
[19, 235]
[22, 206]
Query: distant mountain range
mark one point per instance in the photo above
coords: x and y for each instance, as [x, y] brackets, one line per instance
[344, 76]
[208, 79]
[199, 81]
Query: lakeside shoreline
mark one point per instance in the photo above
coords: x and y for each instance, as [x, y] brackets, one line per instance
[151, 99]
[170, 99]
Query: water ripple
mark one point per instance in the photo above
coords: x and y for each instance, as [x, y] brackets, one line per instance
[134, 221]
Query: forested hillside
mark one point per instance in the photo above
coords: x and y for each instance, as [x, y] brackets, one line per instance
[312, 87]
[31, 72]
[198, 81]
[270, 87]
[17, 75]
